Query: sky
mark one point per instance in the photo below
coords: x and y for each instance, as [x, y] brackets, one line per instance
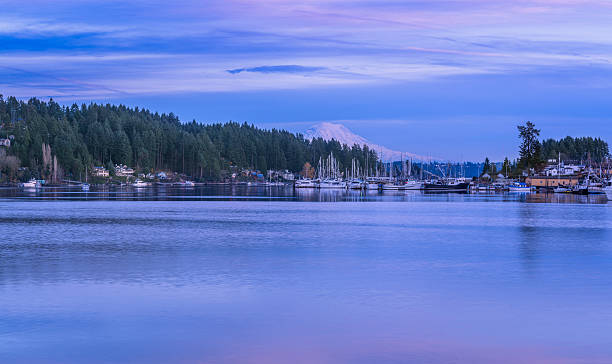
[447, 78]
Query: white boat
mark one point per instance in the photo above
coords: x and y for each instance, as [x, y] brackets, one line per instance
[372, 186]
[413, 185]
[140, 183]
[332, 183]
[355, 184]
[184, 184]
[482, 187]
[391, 187]
[85, 186]
[305, 183]
[30, 184]
[519, 187]
[562, 189]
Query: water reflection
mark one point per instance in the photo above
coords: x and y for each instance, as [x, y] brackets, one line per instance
[219, 282]
[529, 237]
[241, 192]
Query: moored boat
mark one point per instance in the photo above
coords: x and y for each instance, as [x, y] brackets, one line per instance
[30, 184]
[355, 184]
[391, 187]
[140, 183]
[305, 183]
[333, 183]
[519, 187]
[413, 185]
[372, 186]
[447, 185]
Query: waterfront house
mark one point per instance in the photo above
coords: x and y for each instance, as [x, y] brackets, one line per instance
[100, 172]
[121, 170]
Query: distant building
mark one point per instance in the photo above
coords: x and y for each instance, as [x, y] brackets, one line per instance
[100, 172]
[288, 176]
[122, 170]
[552, 181]
[563, 170]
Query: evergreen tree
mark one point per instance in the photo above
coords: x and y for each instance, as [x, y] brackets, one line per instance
[506, 168]
[530, 149]
[81, 136]
[487, 166]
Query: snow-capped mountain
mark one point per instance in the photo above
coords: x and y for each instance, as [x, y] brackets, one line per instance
[339, 132]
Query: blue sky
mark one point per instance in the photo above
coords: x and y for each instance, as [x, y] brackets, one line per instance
[445, 78]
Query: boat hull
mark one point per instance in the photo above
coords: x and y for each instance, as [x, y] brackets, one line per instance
[446, 187]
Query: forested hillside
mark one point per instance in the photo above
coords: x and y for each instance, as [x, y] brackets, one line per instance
[82, 136]
[576, 149]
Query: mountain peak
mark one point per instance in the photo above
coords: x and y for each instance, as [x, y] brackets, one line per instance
[342, 134]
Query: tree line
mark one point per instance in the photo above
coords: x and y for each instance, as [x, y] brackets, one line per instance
[48, 139]
[534, 153]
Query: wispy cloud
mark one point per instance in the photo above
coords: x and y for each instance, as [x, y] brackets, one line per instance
[278, 69]
[193, 45]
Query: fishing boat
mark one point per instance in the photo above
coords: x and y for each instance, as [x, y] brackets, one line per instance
[519, 187]
[583, 187]
[447, 185]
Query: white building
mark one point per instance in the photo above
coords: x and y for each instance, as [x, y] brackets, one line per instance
[122, 170]
[100, 172]
[563, 170]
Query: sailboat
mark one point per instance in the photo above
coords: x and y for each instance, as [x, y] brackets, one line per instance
[330, 174]
[85, 185]
[560, 188]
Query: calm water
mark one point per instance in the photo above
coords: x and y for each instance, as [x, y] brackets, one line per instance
[219, 275]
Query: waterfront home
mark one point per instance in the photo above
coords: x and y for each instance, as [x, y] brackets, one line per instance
[121, 170]
[100, 172]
